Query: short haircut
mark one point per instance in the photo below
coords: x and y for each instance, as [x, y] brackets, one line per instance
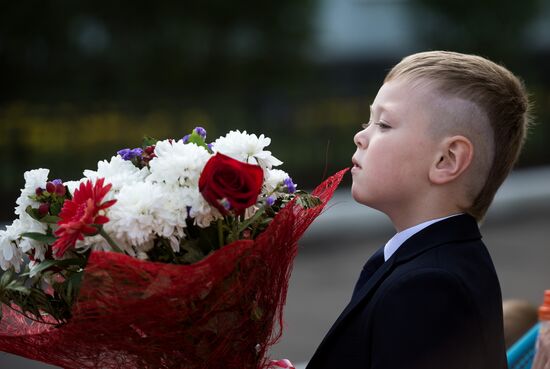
[496, 112]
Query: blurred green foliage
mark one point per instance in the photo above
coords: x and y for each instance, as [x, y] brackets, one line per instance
[492, 28]
[141, 50]
[81, 80]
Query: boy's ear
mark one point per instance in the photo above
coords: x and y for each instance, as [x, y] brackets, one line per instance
[453, 158]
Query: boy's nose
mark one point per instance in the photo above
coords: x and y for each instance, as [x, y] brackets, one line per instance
[360, 139]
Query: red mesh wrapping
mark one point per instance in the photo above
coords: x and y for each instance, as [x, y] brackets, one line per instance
[222, 312]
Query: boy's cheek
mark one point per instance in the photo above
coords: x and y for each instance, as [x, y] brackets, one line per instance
[356, 191]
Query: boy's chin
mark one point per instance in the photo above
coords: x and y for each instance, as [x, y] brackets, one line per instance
[359, 196]
[363, 198]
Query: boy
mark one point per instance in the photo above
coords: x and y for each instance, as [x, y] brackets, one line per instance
[445, 130]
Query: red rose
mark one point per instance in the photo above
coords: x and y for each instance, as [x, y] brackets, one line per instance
[230, 185]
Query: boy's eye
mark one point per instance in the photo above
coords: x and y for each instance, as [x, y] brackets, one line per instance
[382, 125]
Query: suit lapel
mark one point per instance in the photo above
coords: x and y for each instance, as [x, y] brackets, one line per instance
[363, 293]
[458, 228]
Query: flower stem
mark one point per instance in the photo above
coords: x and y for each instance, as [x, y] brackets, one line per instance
[110, 241]
[220, 233]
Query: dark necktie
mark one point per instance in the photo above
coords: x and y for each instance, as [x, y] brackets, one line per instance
[374, 262]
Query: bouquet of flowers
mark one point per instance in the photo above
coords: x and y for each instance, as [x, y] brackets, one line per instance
[173, 255]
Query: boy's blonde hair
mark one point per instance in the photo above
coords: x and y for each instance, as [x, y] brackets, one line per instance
[497, 94]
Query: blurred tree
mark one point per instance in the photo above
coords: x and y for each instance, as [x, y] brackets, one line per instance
[492, 28]
[135, 49]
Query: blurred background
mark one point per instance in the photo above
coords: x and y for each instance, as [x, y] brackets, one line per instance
[81, 80]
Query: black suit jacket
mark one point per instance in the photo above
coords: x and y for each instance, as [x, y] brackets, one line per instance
[435, 304]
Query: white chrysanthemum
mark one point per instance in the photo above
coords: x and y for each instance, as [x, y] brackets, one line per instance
[247, 148]
[142, 211]
[96, 242]
[13, 246]
[118, 172]
[73, 185]
[201, 211]
[28, 224]
[177, 163]
[33, 179]
[274, 178]
[171, 214]
[10, 254]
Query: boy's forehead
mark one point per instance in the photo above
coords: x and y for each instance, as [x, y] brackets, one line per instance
[401, 93]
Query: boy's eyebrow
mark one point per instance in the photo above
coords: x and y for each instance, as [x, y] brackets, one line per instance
[379, 107]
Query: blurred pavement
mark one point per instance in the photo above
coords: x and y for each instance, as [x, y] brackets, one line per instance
[516, 231]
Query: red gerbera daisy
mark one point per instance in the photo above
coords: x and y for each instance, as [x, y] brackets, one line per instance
[80, 216]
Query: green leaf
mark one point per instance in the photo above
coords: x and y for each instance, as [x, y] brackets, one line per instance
[208, 239]
[33, 213]
[50, 219]
[193, 251]
[6, 278]
[73, 286]
[197, 139]
[44, 238]
[17, 286]
[39, 296]
[257, 313]
[148, 141]
[308, 201]
[47, 264]
[43, 266]
[55, 209]
[256, 217]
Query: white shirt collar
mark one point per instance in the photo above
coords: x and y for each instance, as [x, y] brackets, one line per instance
[399, 238]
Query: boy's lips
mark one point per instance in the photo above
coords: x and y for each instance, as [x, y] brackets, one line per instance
[355, 163]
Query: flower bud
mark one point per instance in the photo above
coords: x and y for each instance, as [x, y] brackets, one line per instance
[60, 189]
[43, 209]
[200, 131]
[50, 187]
[38, 191]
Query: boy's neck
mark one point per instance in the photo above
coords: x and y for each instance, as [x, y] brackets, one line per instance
[403, 221]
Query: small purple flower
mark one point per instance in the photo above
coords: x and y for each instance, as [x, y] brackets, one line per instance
[185, 139]
[225, 203]
[290, 185]
[200, 131]
[57, 182]
[210, 146]
[129, 154]
[270, 200]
